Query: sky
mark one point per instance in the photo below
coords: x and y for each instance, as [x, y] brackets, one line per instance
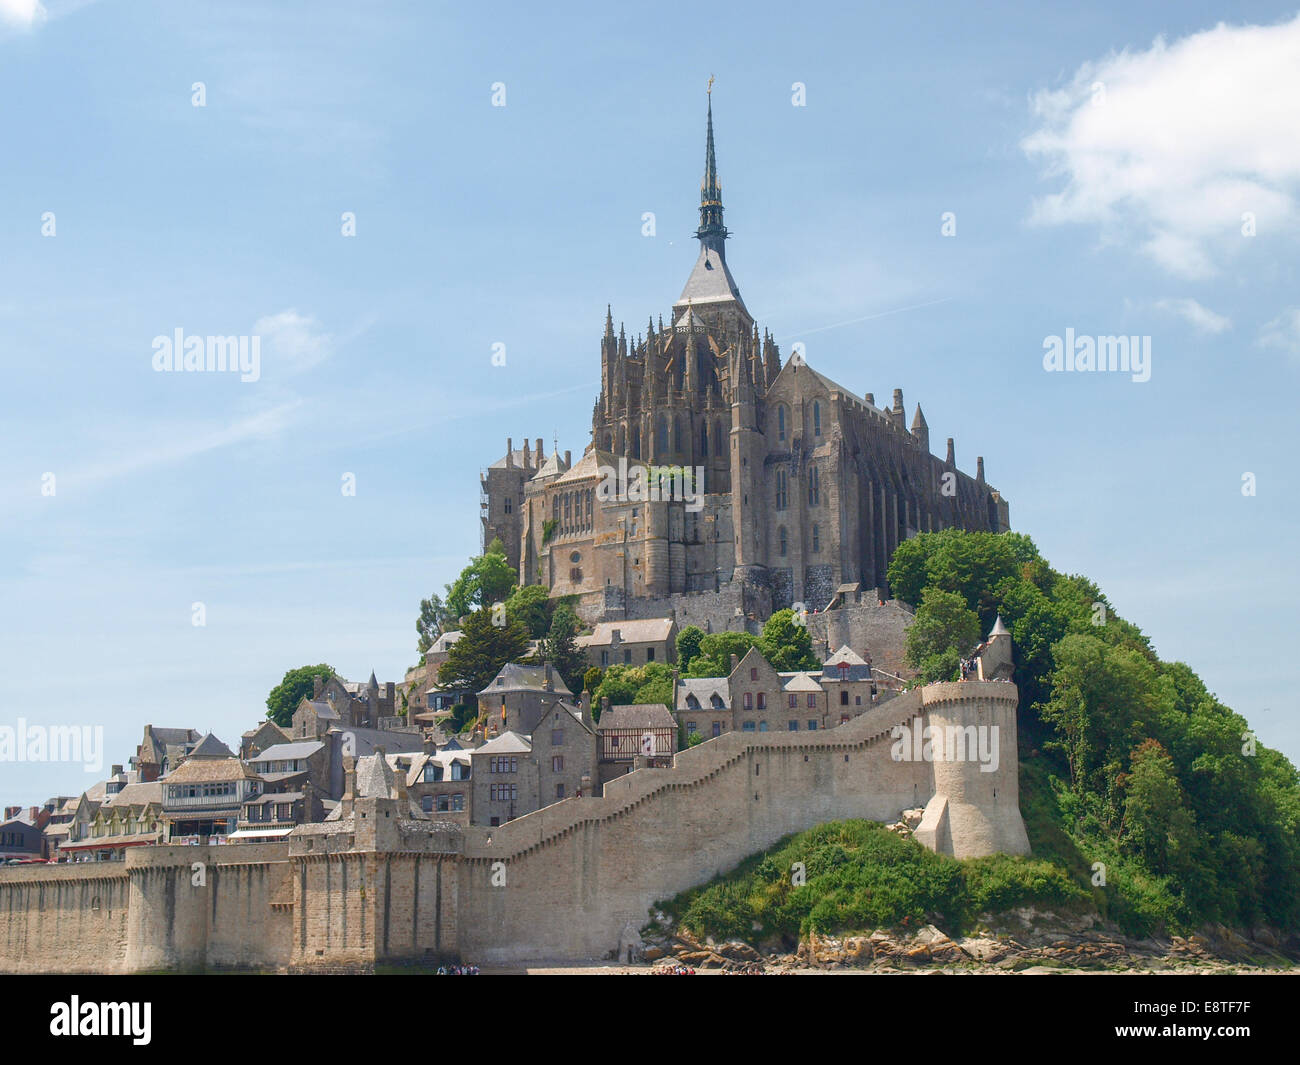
[923, 195]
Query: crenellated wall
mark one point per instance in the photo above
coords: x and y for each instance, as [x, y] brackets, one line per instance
[561, 883]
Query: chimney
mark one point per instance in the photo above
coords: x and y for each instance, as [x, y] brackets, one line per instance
[510, 453]
[735, 661]
[528, 456]
[317, 683]
[951, 458]
[871, 399]
[604, 704]
[584, 704]
[539, 451]
[568, 457]
[549, 683]
[615, 638]
[349, 784]
[979, 469]
[428, 745]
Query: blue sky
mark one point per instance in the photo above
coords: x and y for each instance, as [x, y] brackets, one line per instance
[478, 225]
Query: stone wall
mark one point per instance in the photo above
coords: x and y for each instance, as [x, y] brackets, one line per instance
[564, 882]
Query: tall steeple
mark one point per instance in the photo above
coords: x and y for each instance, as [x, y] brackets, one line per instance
[711, 288]
[712, 233]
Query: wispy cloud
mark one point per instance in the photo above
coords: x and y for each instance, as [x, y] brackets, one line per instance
[22, 14]
[1200, 318]
[1283, 332]
[1182, 148]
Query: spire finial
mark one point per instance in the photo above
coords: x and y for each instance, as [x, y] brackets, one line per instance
[712, 233]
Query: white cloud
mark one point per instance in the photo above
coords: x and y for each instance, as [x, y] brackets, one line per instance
[1168, 148]
[291, 341]
[1202, 319]
[1283, 332]
[24, 14]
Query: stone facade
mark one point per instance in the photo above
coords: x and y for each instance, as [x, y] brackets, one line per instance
[807, 486]
[379, 882]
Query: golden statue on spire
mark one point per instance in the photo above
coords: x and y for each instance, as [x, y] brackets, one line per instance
[709, 90]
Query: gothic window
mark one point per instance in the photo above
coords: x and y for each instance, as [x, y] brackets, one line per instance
[780, 423]
[814, 487]
[555, 509]
[636, 443]
[816, 539]
[782, 498]
[508, 504]
[817, 418]
[606, 443]
[662, 435]
[784, 542]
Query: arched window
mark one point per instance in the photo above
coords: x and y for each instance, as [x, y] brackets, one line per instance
[661, 436]
[784, 542]
[817, 418]
[814, 487]
[816, 539]
[636, 443]
[781, 498]
[780, 423]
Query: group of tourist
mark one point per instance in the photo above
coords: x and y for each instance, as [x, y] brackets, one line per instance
[458, 970]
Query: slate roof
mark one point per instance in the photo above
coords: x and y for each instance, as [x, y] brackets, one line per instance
[211, 747]
[507, 743]
[704, 688]
[636, 716]
[284, 752]
[846, 654]
[710, 281]
[525, 678]
[801, 682]
[137, 795]
[646, 630]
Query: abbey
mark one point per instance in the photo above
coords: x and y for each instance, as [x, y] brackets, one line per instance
[808, 487]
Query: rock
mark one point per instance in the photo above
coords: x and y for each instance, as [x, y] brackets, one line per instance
[653, 953]
[738, 951]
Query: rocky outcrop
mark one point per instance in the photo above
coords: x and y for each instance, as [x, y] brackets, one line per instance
[1025, 940]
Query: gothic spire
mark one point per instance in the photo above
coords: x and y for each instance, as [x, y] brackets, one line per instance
[712, 233]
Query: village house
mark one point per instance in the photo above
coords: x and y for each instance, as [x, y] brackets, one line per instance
[635, 736]
[518, 696]
[631, 643]
[205, 796]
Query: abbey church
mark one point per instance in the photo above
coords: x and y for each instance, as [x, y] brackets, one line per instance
[807, 487]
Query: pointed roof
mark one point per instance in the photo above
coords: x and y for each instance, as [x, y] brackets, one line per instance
[918, 422]
[507, 743]
[998, 628]
[552, 467]
[846, 654]
[211, 747]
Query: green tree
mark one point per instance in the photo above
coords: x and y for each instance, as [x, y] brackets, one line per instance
[561, 649]
[486, 580]
[716, 649]
[481, 651]
[1157, 824]
[592, 678]
[433, 621]
[786, 644]
[943, 630]
[688, 646]
[531, 606]
[284, 698]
